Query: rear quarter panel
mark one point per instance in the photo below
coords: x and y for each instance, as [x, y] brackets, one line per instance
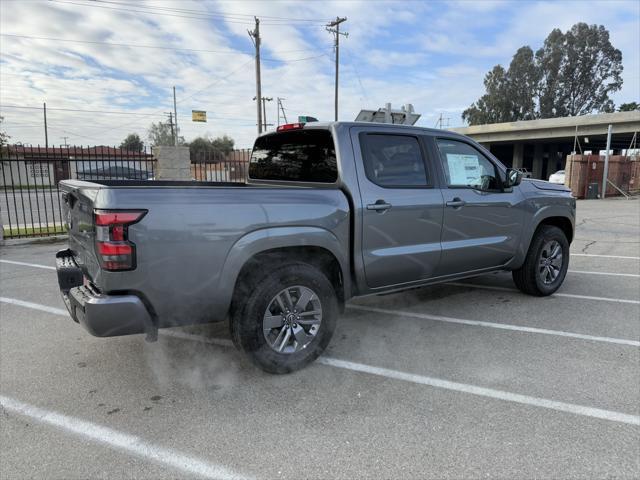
[194, 240]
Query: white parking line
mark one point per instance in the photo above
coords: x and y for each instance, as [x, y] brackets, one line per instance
[409, 377]
[25, 264]
[500, 326]
[458, 387]
[34, 306]
[121, 441]
[568, 295]
[632, 275]
[603, 256]
[425, 316]
[484, 392]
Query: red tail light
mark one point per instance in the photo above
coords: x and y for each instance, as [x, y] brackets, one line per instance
[289, 126]
[113, 247]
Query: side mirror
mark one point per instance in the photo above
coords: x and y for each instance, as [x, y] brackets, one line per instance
[514, 177]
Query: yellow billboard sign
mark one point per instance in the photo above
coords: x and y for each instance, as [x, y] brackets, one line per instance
[198, 116]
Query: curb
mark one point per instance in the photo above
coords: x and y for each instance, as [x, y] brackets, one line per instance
[9, 242]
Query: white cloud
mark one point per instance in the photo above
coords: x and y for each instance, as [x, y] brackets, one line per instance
[431, 54]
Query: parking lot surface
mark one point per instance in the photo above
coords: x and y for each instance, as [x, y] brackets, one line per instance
[464, 380]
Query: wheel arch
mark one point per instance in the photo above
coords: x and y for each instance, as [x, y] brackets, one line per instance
[274, 246]
[556, 217]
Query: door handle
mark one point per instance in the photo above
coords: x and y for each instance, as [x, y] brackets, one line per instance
[456, 203]
[380, 206]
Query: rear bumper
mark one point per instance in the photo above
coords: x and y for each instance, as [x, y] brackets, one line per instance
[102, 315]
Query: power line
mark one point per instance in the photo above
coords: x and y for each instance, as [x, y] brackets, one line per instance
[157, 47]
[213, 13]
[199, 16]
[197, 92]
[113, 112]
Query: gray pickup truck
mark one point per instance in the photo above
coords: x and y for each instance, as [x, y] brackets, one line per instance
[328, 212]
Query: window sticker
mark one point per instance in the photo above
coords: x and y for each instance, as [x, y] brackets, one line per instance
[463, 169]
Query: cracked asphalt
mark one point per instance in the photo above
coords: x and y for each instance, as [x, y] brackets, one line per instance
[470, 380]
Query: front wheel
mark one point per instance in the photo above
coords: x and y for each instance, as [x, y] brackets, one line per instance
[287, 319]
[546, 264]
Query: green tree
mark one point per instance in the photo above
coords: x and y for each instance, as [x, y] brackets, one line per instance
[510, 93]
[132, 143]
[582, 69]
[493, 106]
[572, 74]
[200, 149]
[223, 144]
[629, 107]
[523, 78]
[4, 138]
[159, 134]
[205, 148]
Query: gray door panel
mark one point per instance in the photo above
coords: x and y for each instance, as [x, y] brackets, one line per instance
[482, 222]
[401, 226]
[482, 233]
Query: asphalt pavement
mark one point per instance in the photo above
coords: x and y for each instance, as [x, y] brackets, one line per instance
[464, 380]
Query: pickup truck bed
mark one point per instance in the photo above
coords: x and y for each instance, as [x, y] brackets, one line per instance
[186, 237]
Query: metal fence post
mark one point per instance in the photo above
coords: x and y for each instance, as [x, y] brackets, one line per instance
[605, 174]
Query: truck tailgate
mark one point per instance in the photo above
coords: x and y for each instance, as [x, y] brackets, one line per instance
[78, 202]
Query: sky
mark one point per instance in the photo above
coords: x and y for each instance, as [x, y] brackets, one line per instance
[106, 68]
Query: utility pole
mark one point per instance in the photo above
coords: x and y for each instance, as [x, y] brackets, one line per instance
[281, 107]
[440, 122]
[175, 115]
[171, 125]
[605, 174]
[65, 142]
[264, 110]
[46, 133]
[336, 31]
[255, 36]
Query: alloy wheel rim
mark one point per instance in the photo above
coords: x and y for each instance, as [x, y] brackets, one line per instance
[292, 319]
[550, 262]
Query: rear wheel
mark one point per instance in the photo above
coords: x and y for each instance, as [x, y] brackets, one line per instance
[546, 264]
[287, 318]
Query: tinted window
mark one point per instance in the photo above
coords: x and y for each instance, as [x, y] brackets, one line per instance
[393, 160]
[300, 156]
[464, 166]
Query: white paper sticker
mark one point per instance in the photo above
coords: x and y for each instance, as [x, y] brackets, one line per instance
[463, 169]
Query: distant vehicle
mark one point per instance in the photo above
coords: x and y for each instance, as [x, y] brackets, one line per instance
[329, 212]
[525, 173]
[557, 177]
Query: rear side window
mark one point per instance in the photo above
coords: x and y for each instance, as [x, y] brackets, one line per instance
[393, 160]
[299, 156]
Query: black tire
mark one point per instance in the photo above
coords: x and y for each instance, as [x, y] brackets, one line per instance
[529, 278]
[247, 316]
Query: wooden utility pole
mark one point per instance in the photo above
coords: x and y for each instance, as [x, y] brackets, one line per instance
[264, 110]
[255, 36]
[46, 133]
[175, 115]
[336, 31]
[171, 125]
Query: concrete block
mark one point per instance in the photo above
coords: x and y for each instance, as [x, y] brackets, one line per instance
[173, 163]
